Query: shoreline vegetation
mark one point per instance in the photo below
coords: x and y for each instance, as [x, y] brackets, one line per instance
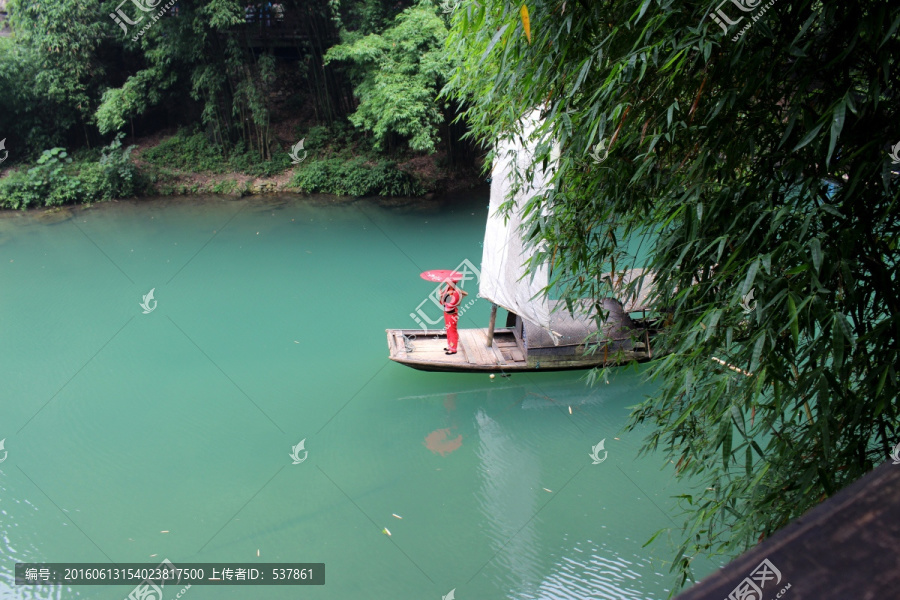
[214, 98]
[185, 164]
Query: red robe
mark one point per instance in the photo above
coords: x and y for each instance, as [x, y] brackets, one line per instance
[451, 299]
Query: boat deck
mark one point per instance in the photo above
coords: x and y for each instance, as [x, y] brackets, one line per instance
[424, 350]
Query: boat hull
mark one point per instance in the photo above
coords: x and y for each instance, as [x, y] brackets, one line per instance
[424, 350]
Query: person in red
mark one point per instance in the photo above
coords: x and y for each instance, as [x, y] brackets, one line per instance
[451, 296]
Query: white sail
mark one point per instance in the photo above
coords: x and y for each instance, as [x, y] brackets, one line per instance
[503, 280]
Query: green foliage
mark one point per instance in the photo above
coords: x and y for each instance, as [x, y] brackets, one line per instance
[250, 162]
[400, 73]
[46, 183]
[114, 175]
[758, 164]
[138, 93]
[226, 186]
[56, 179]
[195, 153]
[366, 16]
[187, 152]
[355, 178]
[70, 74]
[61, 38]
[320, 136]
[29, 120]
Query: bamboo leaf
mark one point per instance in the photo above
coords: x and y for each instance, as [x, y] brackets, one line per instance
[751, 275]
[493, 43]
[757, 351]
[890, 32]
[726, 443]
[881, 381]
[795, 325]
[837, 125]
[809, 136]
[581, 75]
[815, 248]
[653, 537]
[642, 10]
[758, 450]
[526, 22]
[837, 343]
[738, 418]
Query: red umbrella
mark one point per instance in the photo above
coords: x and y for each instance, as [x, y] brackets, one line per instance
[441, 275]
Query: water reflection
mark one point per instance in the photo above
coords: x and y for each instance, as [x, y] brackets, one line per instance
[439, 442]
[507, 499]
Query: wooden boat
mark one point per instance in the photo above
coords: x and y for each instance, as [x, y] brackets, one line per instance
[540, 334]
[524, 346]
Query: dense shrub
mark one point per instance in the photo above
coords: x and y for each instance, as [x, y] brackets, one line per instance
[56, 179]
[250, 162]
[195, 153]
[187, 152]
[355, 177]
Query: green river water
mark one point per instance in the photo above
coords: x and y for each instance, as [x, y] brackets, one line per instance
[133, 437]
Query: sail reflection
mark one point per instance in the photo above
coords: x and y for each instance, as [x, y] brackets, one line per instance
[507, 497]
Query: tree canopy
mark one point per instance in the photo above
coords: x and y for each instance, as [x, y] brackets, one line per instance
[746, 159]
[71, 75]
[402, 71]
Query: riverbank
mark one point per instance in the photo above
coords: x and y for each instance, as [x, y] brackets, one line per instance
[327, 166]
[178, 163]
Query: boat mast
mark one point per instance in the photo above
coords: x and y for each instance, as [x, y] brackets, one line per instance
[493, 321]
